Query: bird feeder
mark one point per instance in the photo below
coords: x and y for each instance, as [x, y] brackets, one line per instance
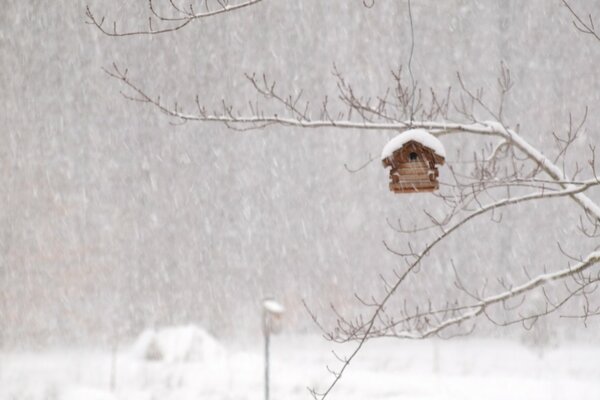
[413, 157]
[272, 313]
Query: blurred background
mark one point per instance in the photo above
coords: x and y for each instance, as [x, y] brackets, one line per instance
[114, 220]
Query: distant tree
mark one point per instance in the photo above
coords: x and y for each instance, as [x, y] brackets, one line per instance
[510, 172]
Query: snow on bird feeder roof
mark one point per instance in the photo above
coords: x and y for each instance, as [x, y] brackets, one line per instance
[418, 135]
[273, 306]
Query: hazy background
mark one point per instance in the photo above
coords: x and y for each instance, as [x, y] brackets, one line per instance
[113, 220]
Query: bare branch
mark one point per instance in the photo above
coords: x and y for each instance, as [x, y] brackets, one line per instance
[586, 27]
[175, 23]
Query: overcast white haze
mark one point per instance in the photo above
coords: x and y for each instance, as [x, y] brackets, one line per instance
[136, 250]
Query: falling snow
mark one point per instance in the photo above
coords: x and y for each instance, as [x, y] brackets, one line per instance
[136, 250]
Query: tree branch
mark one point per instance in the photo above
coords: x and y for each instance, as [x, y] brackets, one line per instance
[185, 18]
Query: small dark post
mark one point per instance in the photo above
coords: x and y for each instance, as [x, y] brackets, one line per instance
[267, 337]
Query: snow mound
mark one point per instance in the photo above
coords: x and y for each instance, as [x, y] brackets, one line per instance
[177, 344]
[418, 135]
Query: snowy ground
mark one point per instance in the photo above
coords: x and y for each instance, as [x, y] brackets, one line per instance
[456, 369]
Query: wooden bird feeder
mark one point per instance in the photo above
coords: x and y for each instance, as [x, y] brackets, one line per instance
[413, 157]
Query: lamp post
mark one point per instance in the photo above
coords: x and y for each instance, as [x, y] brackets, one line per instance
[272, 312]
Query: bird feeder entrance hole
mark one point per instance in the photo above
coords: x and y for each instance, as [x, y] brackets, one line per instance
[413, 157]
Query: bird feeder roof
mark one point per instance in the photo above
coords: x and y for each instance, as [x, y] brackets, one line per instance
[418, 135]
[273, 306]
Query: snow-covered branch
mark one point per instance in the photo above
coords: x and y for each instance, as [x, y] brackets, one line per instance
[479, 308]
[302, 119]
[548, 166]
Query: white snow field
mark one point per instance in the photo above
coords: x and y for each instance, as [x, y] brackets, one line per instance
[387, 369]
